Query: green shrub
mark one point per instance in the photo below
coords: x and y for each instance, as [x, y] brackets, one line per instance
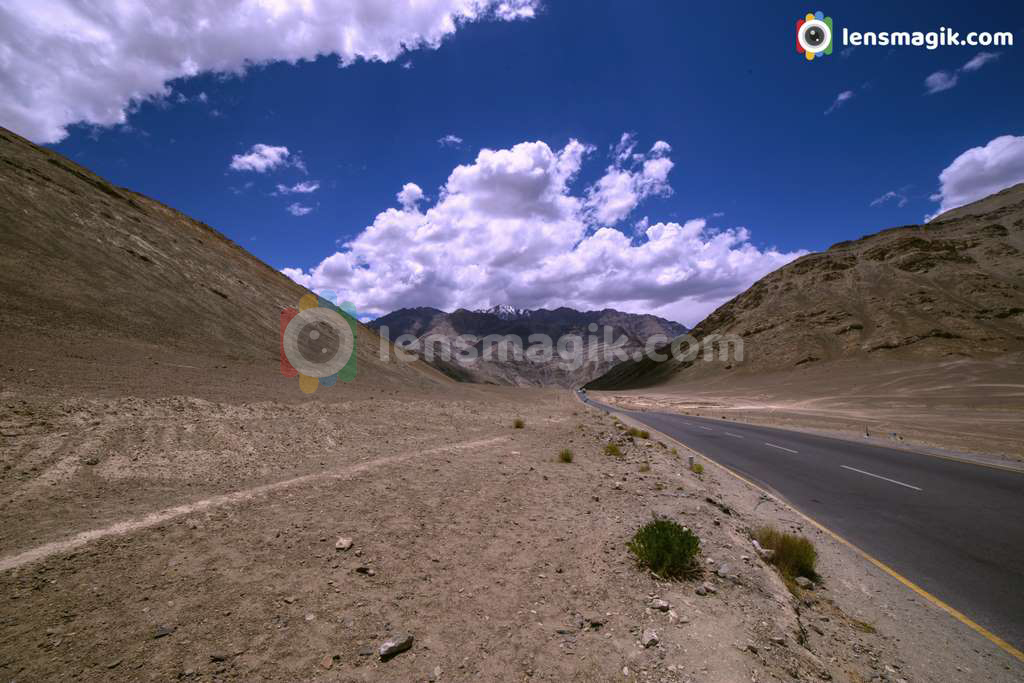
[666, 548]
[565, 455]
[641, 433]
[613, 449]
[519, 423]
[698, 469]
[793, 555]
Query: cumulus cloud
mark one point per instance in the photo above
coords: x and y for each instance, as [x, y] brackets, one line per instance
[297, 209]
[260, 158]
[630, 179]
[67, 61]
[450, 141]
[838, 102]
[981, 171]
[509, 229]
[410, 196]
[305, 187]
[946, 80]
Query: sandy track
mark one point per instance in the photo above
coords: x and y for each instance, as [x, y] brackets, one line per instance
[160, 516]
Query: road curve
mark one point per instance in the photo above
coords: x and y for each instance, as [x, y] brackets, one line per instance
[955, 529]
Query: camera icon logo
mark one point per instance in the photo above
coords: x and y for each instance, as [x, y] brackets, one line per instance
[318, 341]
[814, 35]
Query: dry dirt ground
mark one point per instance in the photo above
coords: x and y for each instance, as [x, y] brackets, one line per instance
[176, 537]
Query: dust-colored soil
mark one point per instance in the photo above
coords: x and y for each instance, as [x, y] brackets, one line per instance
[213, 525]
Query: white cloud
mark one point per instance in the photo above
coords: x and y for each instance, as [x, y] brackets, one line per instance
[410, 196]
[305, 187]
[939, 81]
[979, 60]
[629, 180]
[899, 197]
[260, 158]
[981, 171]
[507, 228]
[450, 141]
[297, 209]
[68, 61]
[945, 80]
[838, 102]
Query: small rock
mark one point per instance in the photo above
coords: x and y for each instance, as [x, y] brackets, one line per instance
[659, 605]
[310, 617]
[343, 543]
[365, 651]
[327, 662]
[724, 570]
[700, 590]
[395, 645]
[365, 570]
[162, 632]
[779, 640]
[114, 664]
[804, 582]
[709, 588]
[649, 638]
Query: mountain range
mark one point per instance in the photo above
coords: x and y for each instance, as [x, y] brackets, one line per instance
[595, 328]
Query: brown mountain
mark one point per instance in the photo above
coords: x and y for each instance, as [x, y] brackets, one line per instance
[423, 323]
[934, 313]
[101, 284]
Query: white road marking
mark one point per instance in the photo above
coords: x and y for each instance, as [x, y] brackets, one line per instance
[781, 448]
[707, 428]
[878, 476]
[735, 435]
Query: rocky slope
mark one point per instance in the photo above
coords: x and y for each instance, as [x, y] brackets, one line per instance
[950, 289]
[431, 323]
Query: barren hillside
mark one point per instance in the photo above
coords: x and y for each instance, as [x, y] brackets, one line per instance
[101, 283]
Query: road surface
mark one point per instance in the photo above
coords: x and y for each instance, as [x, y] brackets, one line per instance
[955, 529]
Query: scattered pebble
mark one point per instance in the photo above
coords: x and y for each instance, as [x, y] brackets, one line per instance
[649, 638]
[395, 645]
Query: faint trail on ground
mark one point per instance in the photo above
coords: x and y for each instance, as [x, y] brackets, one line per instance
[159, 517]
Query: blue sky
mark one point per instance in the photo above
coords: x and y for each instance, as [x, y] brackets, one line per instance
[745, 116]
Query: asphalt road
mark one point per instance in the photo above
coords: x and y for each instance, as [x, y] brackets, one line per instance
[953, 528]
